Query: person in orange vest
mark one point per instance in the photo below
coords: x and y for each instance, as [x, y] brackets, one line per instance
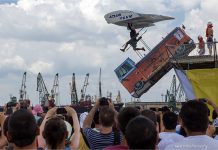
[201, 45]
[209, 35]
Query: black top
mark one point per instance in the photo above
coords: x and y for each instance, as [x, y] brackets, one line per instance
[133, 34]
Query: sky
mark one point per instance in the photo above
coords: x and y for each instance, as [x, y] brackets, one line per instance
[72, 36]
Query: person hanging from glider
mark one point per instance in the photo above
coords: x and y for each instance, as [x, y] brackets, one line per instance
[209, 35]
[133, 41]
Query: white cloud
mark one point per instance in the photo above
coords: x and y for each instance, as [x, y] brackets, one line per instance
[67, 47]
[89, 10]
[41, 66]
[15, 62]
[185, 4]
[196, 19]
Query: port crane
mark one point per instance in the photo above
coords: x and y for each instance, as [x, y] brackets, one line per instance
[109, 95]
[100, 93]
[175, 94]
[23, 88]
[118, 98]
[73, 92]
[43, 92]
[83, 90]
[55, 90]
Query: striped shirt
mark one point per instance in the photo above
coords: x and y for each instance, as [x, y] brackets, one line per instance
[98, 140]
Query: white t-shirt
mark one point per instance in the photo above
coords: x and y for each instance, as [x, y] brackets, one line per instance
[168, 138]
[82, 118]
[199, 142]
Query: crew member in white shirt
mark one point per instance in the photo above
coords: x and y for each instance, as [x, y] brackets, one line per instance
[169, 136]
[194, 119]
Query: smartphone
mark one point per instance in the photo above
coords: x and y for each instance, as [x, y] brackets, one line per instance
[61, 110]
[103, 101]
[202, 100]
[1, 109]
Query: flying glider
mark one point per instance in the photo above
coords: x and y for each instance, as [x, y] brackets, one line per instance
[123, 17]
[133, 21]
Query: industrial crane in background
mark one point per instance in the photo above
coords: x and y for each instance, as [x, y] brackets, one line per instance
[109, 95]
[55, 91]
[100, 92]
[118, 98]
[23, 88]
[83, 90]
[175, 94]
[43, 92]
[73, 92]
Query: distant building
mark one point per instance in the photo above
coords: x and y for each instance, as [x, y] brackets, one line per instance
[148, 105]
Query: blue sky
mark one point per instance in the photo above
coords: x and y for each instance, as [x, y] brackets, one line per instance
[8, 1]
[66, 36]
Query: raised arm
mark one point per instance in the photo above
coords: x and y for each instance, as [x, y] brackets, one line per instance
[49, 114]
[3, 139]
[111, 105]
[88, 120]
[75, 139]
[211, 103]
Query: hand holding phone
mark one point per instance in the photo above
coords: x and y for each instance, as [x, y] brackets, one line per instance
[61, 110]
[103, 101]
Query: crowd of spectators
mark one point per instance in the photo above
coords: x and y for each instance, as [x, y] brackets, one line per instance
[105, 128]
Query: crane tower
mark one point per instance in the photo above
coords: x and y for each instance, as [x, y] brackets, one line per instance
[43, 92]
[23, 88]
[73, 92]
[83, 90]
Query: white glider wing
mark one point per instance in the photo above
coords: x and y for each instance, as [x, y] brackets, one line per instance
[123, 17]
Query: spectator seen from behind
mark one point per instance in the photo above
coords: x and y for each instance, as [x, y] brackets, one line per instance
[141, 133]
[194, 120]
[169, 136]
[124, 116]
[22, 130]
[106, 136]
[150, 114]
[54, 131]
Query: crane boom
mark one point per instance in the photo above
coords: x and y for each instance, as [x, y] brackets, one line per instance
[100, 93]
[23, 88]
[55, 89]
[73, 92]
[83, 90]
[43, 92]
[174, 94]
[118, 99]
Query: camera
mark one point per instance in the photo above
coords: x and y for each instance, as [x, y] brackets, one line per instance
[1, 109]
[61, 110]
[11, 104]
[104, 101]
